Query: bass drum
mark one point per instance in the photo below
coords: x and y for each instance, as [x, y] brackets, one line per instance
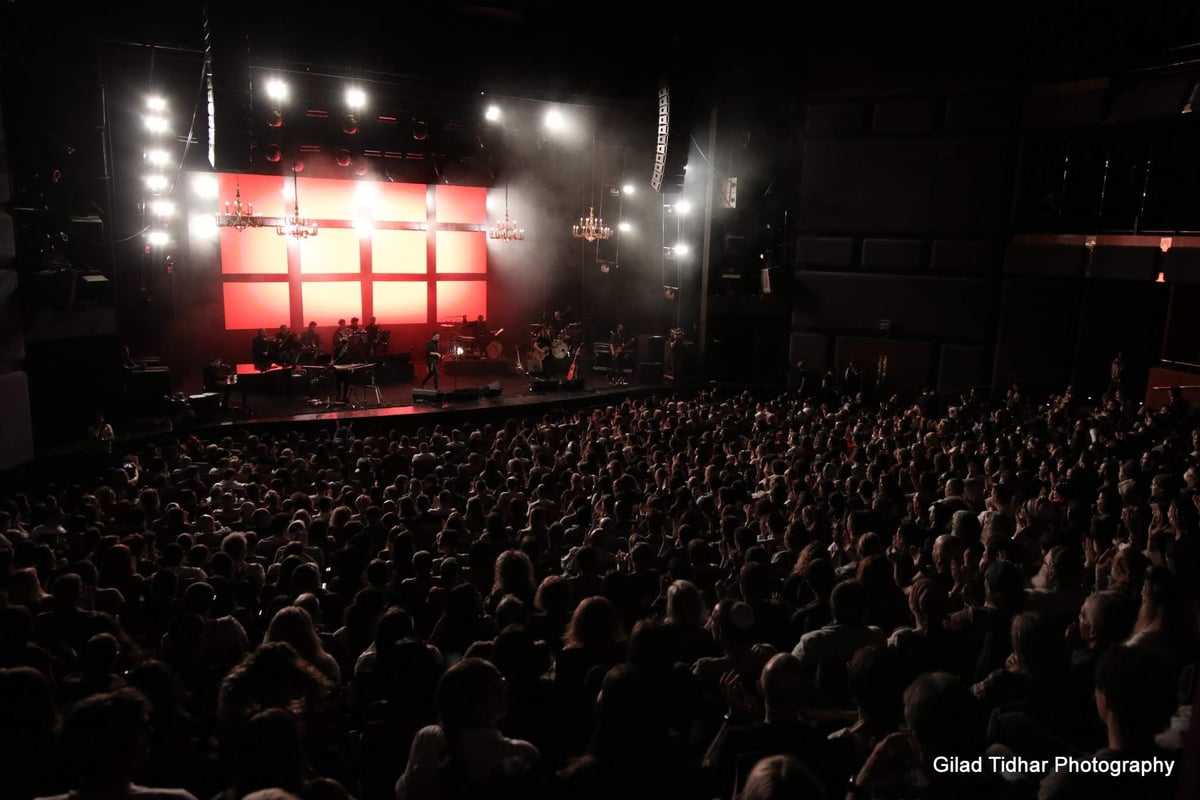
[560, 349]
[494, 349]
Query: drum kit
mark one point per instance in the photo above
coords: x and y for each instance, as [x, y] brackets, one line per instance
[472, 341]
[543, 344]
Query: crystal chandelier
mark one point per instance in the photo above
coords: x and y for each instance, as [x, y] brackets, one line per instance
[295, 226]
[506, 230]
[591, 227]
[239, 215]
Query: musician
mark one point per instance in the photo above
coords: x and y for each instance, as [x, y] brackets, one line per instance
[432, 357]
[354, 326]
[310, 339]
[260, 350]
[619, 344]
[341, 339]
[220, 377]
[558, 324]
[479, 330]
[540, 350]
[372, 335]
[287, 347]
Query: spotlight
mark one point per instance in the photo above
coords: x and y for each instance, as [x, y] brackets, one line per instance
[350, 125]
[420, 130]
[363, 225]
[554, 119]
[366, 195]
[205, 186]
[202, 227]
[157, 157]
[682, 207]
[355, 97]
[162, 208]
[343, 157]
[459, 351]
[492, 114]
[275, 120]
[276, 89]
[624, 227]
[156, 103]
[360, 168]
[156, 183]
[274, 153]
[156, 123]
[681, 248]
[628, 188]
[158, 238]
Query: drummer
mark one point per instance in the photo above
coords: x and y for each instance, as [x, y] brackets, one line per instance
[558, 325]
[480, 331]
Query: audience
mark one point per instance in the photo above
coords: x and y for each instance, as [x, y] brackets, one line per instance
[708, 597]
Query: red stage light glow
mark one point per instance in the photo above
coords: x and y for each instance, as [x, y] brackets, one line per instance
[424, 258]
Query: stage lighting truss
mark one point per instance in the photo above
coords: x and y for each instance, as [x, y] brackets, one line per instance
[239, 215]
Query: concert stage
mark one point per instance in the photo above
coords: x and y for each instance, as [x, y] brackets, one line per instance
[459, 400]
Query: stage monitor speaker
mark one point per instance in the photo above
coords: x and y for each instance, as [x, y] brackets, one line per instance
[491, 390]
[650, 348]
[427, 396]
[465, 394]
[573, 385]
[542, 385]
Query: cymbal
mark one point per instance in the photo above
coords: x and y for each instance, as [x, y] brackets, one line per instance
[447, 325]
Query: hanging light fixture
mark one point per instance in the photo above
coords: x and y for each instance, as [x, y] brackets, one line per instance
[591, 227]
[506, 230]
[239, 215]
[295, 226]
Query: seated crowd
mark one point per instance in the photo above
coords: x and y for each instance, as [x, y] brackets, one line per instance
[708, 597]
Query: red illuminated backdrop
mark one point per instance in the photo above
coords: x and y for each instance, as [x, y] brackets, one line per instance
[407, 254]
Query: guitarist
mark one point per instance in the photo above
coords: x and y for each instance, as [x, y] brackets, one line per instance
[539, 350]
[619, 344]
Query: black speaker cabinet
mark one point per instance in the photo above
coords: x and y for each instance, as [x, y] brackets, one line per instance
[427, 396]
[650, 348]
[542, 385]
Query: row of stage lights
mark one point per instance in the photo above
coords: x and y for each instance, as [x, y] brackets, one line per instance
[158, 159]
[157, 182]
[355, 98]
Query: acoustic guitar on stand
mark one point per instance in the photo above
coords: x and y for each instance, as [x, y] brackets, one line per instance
[571, 370]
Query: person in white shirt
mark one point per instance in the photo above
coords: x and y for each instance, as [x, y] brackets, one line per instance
[837, 642]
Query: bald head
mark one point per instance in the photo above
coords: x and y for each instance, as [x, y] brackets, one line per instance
[947, 549]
